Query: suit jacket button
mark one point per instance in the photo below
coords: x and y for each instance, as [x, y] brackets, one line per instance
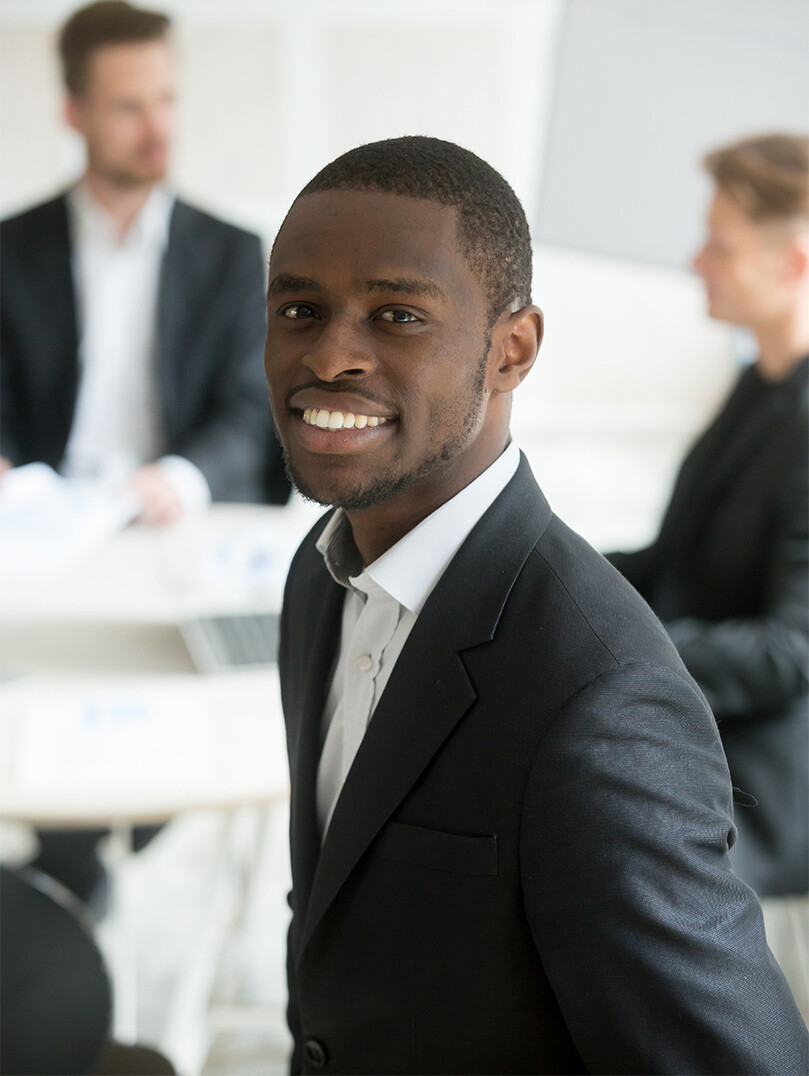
[315, 1053]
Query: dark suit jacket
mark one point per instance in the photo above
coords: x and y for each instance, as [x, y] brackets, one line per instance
[209, 374]
[526, 870]
[728, 576]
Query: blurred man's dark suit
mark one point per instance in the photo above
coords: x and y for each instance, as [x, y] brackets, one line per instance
[209, 379]
[526, 870]
[728, 577]
[209, 385]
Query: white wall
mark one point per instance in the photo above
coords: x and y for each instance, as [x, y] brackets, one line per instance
[644, 89]
[272, 90]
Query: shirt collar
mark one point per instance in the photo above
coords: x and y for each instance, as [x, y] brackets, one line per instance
[149, 228]
[409, 570]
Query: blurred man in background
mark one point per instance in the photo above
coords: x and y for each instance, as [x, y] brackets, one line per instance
[728, 571]
[132, 323]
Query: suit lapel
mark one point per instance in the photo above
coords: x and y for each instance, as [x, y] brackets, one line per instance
[52, 275]
[171, 305]
[305, 752]
[429, 690]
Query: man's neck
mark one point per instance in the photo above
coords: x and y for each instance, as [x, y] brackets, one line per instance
[376, 530]
[380, 527]
[122, 203]
[783, 344]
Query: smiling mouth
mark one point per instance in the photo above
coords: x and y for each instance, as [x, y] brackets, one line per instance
[324, 419]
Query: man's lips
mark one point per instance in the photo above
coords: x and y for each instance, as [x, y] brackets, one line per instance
[344, 403]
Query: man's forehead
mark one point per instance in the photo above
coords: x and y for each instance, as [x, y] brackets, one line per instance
[395, 237]
[371, 211]
[118, 62]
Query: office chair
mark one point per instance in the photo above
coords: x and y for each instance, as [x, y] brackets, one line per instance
[54, 990]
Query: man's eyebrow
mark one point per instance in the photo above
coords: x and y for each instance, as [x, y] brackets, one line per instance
[285, 282]
[412, 285]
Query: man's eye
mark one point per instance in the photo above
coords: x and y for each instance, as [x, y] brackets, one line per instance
[400, 317]
[298, 311]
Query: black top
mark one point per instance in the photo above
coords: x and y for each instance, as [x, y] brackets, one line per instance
[728, 576]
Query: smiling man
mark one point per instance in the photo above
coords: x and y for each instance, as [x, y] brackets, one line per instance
[510, 809]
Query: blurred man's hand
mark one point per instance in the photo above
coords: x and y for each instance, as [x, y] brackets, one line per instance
[161, 501]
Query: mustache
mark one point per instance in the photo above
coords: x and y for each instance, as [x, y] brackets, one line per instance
[337, 387]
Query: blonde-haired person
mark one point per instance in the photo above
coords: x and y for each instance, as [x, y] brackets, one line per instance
[728, 571]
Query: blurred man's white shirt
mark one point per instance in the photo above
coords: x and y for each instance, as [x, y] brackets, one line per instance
[115, 426]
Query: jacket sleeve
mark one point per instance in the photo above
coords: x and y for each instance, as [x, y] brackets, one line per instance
[654, 949]
[233, 444]
[746, 665]
[293, 1014]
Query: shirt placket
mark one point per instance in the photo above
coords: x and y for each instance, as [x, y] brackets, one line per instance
[373, 632]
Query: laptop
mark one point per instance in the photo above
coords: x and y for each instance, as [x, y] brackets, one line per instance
[232, 641]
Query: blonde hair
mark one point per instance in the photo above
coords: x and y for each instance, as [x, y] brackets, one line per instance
[767, 175]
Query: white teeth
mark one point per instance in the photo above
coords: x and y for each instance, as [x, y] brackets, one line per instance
[339, 420]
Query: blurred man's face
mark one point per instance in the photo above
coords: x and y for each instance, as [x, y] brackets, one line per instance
[745, 267]
[126, 113]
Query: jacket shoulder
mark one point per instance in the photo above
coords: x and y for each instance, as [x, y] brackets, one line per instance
[592, 600]
[37, 219]
[193, 220]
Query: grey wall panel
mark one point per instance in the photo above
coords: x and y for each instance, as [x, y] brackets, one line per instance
[644, 88]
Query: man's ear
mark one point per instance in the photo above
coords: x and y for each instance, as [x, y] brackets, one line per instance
[516, 350]
[798, 257]
[71, 110]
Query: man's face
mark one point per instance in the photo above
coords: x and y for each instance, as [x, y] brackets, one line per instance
[378, 352]
[743, 266]
[126, 113]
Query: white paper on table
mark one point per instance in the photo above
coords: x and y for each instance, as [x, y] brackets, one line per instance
[87, 740]
[48, 522]
[246, 563]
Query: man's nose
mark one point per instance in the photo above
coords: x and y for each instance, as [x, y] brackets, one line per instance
[341, 350]
[158, 121]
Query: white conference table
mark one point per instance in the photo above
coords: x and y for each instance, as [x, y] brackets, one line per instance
[107, 630]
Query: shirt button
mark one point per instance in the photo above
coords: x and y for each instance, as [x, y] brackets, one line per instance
[365, 663]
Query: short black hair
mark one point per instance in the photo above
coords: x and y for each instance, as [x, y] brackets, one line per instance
[492, 228]
[106, 22]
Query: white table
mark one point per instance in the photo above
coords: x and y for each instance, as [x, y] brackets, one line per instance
[109, 627]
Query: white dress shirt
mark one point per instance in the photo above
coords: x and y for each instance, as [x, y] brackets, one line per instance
[116, 421]
[382, 605]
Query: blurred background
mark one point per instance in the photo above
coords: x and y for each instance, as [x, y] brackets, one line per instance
[597, 112]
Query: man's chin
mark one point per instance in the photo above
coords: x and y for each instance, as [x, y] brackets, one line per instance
[135, 178]
[343, 493]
